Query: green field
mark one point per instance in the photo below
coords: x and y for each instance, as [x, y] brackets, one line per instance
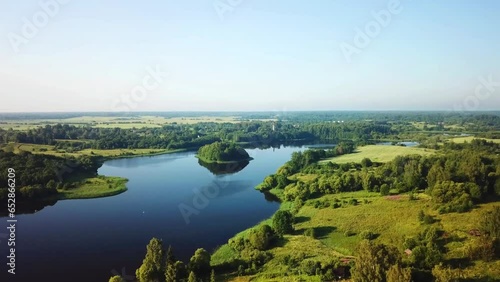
[116, 122]
[111, 153]
[470, 138]
[379, 153]
[391, 218]
[94, 187]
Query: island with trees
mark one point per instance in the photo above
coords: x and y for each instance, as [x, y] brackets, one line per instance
[222, 152]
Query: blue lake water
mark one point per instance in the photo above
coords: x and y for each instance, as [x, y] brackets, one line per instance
[89, 240]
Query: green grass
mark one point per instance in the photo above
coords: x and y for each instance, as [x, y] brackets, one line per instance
[391, 218]
[94, 187]
[379, 153]
[111, 153]
[470, 138]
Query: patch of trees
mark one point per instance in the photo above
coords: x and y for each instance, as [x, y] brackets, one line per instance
[160, 265]
[456, 180]
[222, 152]
[38, 176]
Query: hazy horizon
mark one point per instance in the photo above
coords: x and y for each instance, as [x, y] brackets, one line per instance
[249, 55]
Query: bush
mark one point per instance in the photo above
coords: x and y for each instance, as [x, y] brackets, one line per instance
[261, 237]
[336, 205]
[353, 202]
[384, 189]
[283, 222]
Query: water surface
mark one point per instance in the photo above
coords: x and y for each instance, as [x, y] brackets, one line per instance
[89, 240]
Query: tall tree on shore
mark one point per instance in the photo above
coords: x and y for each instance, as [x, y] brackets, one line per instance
[152, 268]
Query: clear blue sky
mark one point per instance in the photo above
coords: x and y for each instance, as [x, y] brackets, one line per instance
[261, 55]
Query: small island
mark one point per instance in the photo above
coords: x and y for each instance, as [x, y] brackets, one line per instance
[222, 152]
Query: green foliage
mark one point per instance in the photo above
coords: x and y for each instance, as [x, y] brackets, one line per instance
[261, 237]
[451, 197]
[192, 277]
[482, 248]
[152, 268]
[283, 222]
[116, 278]
[373, 261]
[384, 189]
[40, 173]
[222, 152]
[366, 162]
[490, 223]
[212, 276]
[444, 274]
[175, 271]
[397, 273]
[199, 263]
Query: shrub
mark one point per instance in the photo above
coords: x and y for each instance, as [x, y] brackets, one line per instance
[283, 222]
[384, 190]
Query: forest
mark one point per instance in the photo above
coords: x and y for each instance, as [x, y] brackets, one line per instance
[39, 176]
[222, 152]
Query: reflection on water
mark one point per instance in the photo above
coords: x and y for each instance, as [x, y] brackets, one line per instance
[111, 233]
[29, 207]
[224, 168]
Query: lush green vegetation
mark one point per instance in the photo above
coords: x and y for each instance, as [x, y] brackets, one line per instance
[440, 220]
[357, 211]
[221, 152]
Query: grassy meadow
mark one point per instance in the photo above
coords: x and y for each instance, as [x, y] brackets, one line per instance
[390, 218]
[116, 122]
[109, 153]
[94, 187]
[470, 138]
[379, 153]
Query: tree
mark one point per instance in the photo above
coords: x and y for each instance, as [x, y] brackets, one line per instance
[384, 189]
[199, 263]
[116, 278]
[373, 261]
[192, 277]
[170, 258]
[260, 238]
[443, 274]
[490, 223]
[152, 268]
[283, 222]
[396, 273]
[366, 162]
[212, 276]
[175, 272]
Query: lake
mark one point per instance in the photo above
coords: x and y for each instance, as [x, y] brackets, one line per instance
[170, 196]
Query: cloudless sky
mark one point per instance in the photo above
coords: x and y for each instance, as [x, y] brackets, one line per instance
[260, 55]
